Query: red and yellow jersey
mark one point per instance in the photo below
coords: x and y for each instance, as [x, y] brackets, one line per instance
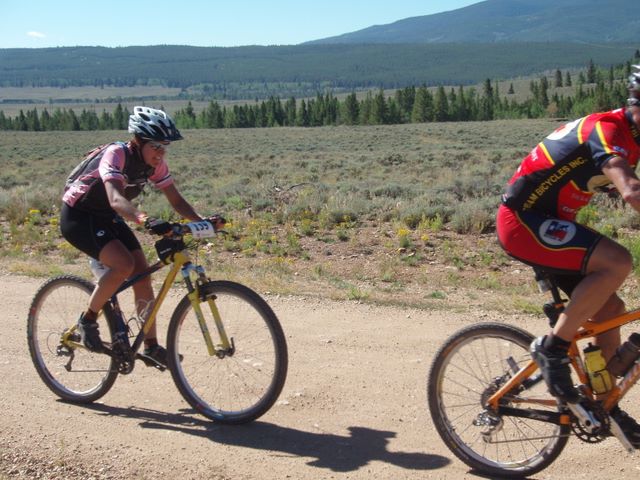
[562, 172]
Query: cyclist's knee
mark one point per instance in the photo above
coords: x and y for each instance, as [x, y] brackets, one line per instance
[119, 260]
[123, 270]
[611, 259]
[139, 263]
[622, 264]
[121, 265]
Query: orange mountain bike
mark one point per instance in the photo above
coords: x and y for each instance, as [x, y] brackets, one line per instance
[491, 407]
[226, 350]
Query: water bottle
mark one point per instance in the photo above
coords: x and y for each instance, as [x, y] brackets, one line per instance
[599, 376]
[97, 268]
[625, 356]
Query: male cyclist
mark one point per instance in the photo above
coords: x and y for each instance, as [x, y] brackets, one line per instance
[98, 201]
[536, 224]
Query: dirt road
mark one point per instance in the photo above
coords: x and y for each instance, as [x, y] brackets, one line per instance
[353, 407]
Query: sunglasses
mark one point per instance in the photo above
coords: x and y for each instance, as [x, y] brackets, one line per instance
[158, 146]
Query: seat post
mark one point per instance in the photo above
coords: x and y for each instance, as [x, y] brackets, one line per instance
[546, 283]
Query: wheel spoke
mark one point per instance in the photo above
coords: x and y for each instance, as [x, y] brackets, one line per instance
[239, 387]
[74, 374]
[468, 369]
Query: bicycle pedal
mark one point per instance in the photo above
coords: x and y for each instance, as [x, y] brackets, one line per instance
[150, 362]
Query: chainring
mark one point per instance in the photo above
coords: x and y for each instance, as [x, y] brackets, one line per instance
[597, 435]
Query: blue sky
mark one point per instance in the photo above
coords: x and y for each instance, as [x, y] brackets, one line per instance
[114, 23]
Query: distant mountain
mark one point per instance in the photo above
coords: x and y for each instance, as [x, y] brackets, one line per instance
[588, 21]
[495, 39]
[248, 72]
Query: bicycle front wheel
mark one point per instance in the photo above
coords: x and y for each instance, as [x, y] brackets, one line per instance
[69, 370]
[243, 384]
[472, 365]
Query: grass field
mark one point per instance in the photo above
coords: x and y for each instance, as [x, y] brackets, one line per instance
[388, 214]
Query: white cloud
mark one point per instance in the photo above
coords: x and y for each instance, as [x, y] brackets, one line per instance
[36, 34]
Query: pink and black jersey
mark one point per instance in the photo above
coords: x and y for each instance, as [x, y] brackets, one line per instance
[116, 162]
[562, 172]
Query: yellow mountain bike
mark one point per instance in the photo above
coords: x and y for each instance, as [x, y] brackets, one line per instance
[226, 350]
[491, 407]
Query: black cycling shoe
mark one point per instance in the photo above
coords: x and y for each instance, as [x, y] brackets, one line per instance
[628, 425]
[90, 334]
[158, 354]
[556, 372]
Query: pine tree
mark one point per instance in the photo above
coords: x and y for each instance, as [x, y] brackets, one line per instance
[379, 109]
[21, 122]
[441, 106]
[395, 116]
[487, 101]
[423, 106]
[405, 98]
[558, 80]
[5, 123]
[365, 109]
[106, 121]
[544, 89]
[303, 116]
[611, 76]
[45, 121]
[350, 110]
[461, 108]
[120, 118]
[290, 112]
[591, 72]
[33, 122]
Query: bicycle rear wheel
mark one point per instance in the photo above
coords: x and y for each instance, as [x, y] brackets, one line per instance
[243, 385]
[468, 368]
[69, 370]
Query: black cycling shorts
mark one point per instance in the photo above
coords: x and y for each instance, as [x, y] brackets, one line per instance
[90, 233]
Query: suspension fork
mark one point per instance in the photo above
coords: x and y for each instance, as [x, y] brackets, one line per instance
[198, 295]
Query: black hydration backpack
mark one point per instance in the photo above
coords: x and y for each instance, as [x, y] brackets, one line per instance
[94, 199]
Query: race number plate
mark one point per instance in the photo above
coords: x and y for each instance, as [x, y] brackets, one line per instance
[202, 229]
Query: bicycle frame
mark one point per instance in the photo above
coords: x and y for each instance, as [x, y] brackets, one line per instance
[611, 399]
[194, 277]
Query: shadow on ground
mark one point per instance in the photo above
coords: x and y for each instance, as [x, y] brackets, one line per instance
[326, 450]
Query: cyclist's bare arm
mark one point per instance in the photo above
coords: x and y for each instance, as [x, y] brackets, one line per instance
[122, 206]
[625, 180]
[179, 203]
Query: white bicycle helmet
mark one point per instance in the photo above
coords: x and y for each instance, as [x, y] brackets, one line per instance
[152, 124]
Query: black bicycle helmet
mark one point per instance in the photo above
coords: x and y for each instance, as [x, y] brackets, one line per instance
[152, 124]
[634, 86]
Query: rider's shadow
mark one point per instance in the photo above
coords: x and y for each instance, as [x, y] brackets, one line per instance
[333, 452]
[328, 451]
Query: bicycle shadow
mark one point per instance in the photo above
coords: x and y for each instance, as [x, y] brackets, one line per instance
[328, 451]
